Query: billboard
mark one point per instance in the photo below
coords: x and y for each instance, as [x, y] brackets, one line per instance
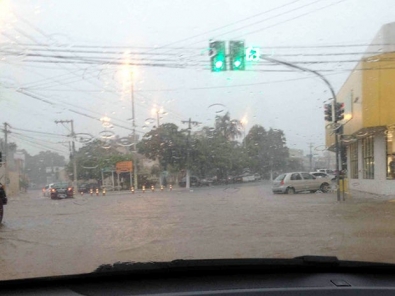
[124, 166]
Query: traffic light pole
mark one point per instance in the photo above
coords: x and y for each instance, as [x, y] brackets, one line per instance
[5, 156]
[337, 146]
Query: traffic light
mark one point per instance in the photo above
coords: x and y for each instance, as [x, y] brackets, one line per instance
[328, 112]
[339, 111]
[218, 56]
[237, 55]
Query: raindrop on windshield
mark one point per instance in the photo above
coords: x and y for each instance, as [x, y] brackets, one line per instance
[125, 142]
[217, 109]
[84, 138]
[8, 82]
[107, 134]
[149, 120]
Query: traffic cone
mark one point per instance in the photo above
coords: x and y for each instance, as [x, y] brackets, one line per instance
[97, 191]
[104, 191]
[152, 188]
[161, 188]
[171, 187]
[143, 189]
[132, 189]
[91, 191]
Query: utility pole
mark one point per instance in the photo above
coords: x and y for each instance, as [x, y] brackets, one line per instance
[6, 131]
[134, 132]
[190, 123]
[72, 135]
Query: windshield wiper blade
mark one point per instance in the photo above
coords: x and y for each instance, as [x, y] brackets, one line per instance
[248, 264]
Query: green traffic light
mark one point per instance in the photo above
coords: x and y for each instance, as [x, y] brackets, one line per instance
[237, 55]
[218, 56]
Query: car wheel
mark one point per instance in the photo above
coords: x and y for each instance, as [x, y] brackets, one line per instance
[1, 210]
[324, 187]
[290, 190]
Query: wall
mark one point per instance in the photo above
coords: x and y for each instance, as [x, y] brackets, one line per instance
[379, 91]
[380, 184]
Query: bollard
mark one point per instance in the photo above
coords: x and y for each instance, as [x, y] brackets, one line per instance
[97, 191]
[143, 189]
[132, 189]
[104, 191]
[171, 187]
[152, 188]
[161, 188]
[91, 191]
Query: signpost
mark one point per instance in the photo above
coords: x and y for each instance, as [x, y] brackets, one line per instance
[124, 167]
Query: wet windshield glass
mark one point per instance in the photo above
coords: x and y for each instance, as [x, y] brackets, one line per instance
[168, 121]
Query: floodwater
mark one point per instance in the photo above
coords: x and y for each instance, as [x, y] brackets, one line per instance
[43, 237]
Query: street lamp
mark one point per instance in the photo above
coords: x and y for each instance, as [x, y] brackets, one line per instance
[134, 130]
[158, 111]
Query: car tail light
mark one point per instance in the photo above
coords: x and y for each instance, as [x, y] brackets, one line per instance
[282, 182]
[53, 190]
[70, 189]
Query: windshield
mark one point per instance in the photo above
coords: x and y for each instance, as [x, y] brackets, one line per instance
[60, 185]
[174, 124]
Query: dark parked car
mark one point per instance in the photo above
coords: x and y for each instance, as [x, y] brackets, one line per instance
[61, 190]
[193, 181]
[206, 182]
[3, 201]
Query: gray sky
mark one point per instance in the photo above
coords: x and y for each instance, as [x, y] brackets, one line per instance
[178, 32]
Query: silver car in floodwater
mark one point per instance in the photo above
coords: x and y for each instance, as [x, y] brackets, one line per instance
[291, 183]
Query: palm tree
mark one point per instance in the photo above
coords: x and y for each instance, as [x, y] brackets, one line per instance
[230, 129]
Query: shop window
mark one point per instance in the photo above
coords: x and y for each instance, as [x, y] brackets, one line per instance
[390, 156]
[354, 161]
[368, 157]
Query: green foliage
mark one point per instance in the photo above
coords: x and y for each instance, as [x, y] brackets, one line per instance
[267, 150]
[167, 144]
[93, 157]
[214, 151]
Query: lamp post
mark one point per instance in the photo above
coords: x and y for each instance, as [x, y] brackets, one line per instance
[134, 131]
[158, 111]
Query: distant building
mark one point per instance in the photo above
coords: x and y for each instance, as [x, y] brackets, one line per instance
[296, 153]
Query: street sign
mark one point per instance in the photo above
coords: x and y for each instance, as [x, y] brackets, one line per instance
[253, 54]
[124, 166]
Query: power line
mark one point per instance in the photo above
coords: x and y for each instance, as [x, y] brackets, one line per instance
[38, 132]
[36, 144]
[228, 25]
[266, 19]
[291, 19]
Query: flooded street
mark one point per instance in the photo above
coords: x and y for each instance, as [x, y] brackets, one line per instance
[43, 237]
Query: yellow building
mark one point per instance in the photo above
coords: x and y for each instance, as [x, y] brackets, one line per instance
[369, 122]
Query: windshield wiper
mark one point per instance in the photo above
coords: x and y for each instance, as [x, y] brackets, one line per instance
[308, 263]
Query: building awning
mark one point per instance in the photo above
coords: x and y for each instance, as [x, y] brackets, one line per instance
[347, 140]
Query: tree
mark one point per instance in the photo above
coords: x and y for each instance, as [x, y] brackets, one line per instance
[167, 144]
[230, 129]
[267, 150]
[93, 157]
